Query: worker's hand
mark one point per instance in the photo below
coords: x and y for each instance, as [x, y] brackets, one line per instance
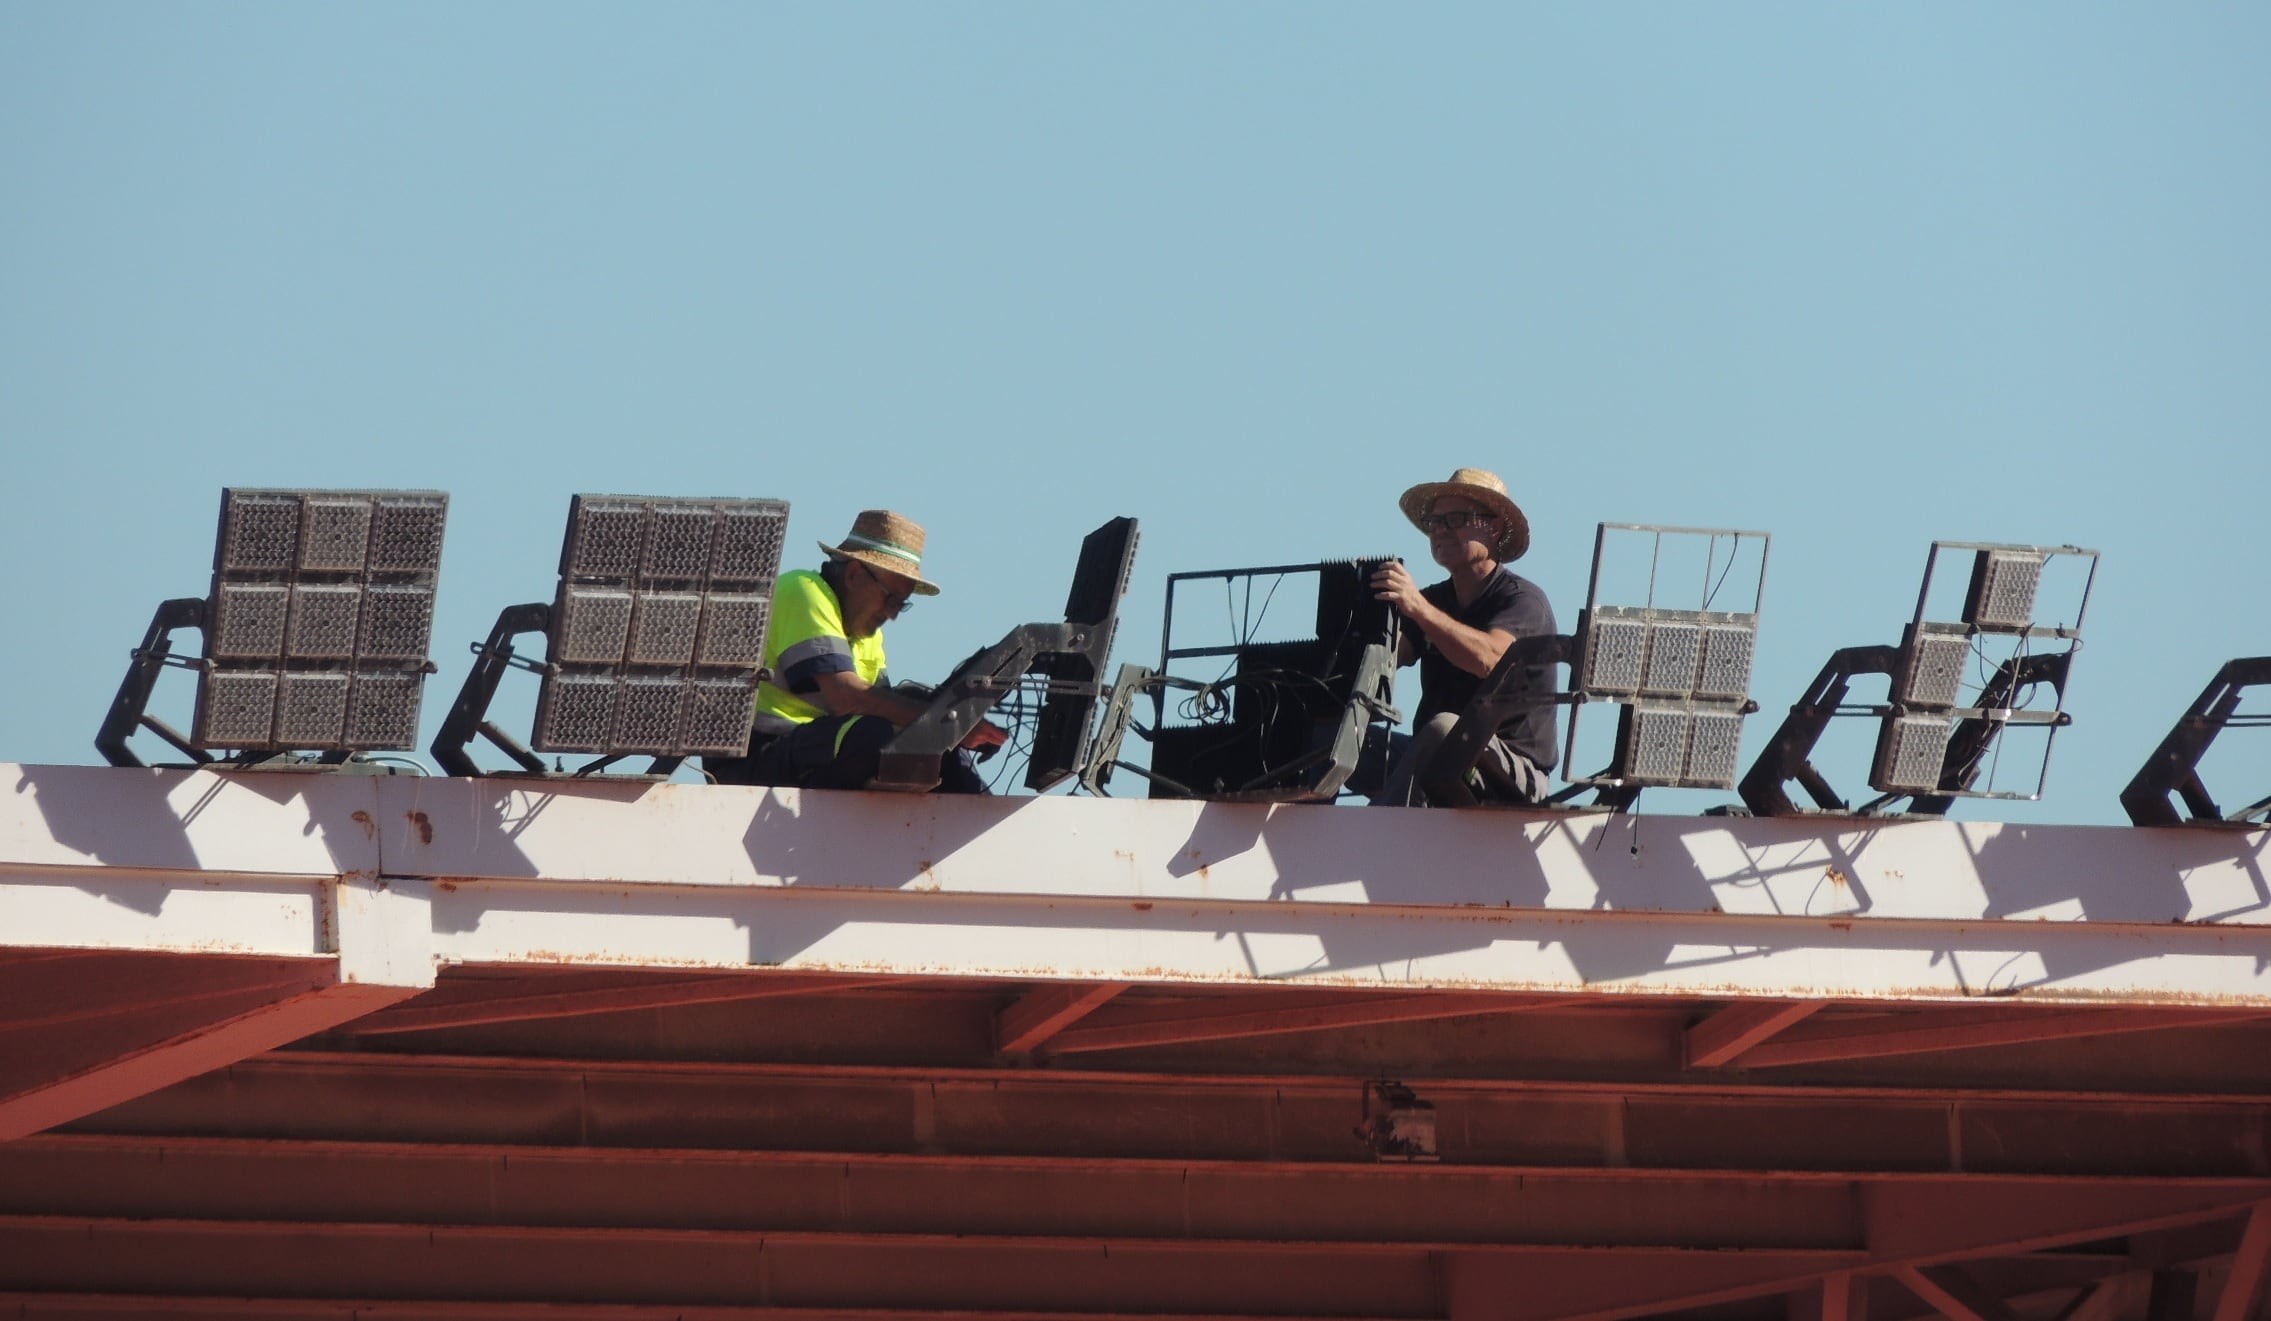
[1393, 583]
[986, 736]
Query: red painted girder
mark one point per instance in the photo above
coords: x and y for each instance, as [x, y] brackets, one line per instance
[464, 1004]
[333, 1182]
[2243, 1290]
[1953, 1294]
[1039, 1112]
[58, 1074]
[1044, 1011]
[1120, 1029]
[1739, 1027]
[133, 1307]
[1925, 1030]
[713, 1268]
[1908, 1227]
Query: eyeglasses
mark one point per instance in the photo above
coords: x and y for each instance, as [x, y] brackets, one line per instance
[897, 593]
[1457, 520]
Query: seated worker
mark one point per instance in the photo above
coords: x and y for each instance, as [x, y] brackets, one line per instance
[1458, 630]
[828, 709]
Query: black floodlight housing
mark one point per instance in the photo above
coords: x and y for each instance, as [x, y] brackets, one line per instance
[1955, 687]
[1675, 664]
[315, 631]
[653, 639]
[2174, 767]
[1287, 721]
[1062, 660]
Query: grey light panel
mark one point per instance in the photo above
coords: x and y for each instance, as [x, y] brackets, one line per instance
[1673, 653]
[316, 595]
[1726, 672]
[1714, 750]
[2008, 582]
[1936, 665]
[1655, 750]
[1613, 654]
[659, 626]
[1910, 752]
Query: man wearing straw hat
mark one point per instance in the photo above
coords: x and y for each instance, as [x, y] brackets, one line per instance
[827, 710]
[1459, 629]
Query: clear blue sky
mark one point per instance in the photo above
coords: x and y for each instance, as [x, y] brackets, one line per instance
[1861, 276]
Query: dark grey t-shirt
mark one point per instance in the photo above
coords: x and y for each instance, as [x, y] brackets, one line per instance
[1513, 603]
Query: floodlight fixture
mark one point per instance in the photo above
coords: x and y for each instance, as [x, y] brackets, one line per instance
[1950, 700]
[1676, 665]
[315, 630]
[1290, 720]
[2174, 767]
[654, 637]
[1064, 660]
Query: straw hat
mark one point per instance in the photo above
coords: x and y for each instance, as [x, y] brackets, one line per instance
[1484, 489]
[883, 540]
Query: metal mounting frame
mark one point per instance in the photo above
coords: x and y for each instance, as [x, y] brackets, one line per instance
[1972, 730]
[2174, 767]
[1316, 775]
[1067, 657]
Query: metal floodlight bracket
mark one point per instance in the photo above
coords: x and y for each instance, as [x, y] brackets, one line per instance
[1932, 748]
[314, 633]
[1102, 755]
[1297, 719]
[130, 710]
[909, 762]
[1066, 659]
[2174, 767]
[1678, 676]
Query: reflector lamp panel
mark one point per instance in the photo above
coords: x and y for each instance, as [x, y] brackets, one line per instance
[324, 618]
[719, 713]
[398, 624]
[260, 532]
[1613, 655]
[312, 589]
[2003, 589]
[335, 533]
[678, 543]
[1726, 671]
[1935, 671]
[1655, 746]
[663, 628]
[574, 713]
[1714, 749]
[594, 627]
[661, 620]
[733, 630]
[1910, 753]
[248, 621]
[382, 710]
[748, 542]
[235, 709]
[406, 533]
[1674, 651]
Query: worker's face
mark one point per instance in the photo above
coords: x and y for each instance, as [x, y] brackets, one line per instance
[873, 597]
[1462, 532]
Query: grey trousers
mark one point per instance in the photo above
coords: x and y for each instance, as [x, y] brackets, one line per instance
[1507, 775]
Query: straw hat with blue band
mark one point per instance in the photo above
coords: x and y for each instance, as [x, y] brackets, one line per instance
[883, 540]
[1485, 489]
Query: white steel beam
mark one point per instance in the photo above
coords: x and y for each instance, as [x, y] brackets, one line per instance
[701, 877]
